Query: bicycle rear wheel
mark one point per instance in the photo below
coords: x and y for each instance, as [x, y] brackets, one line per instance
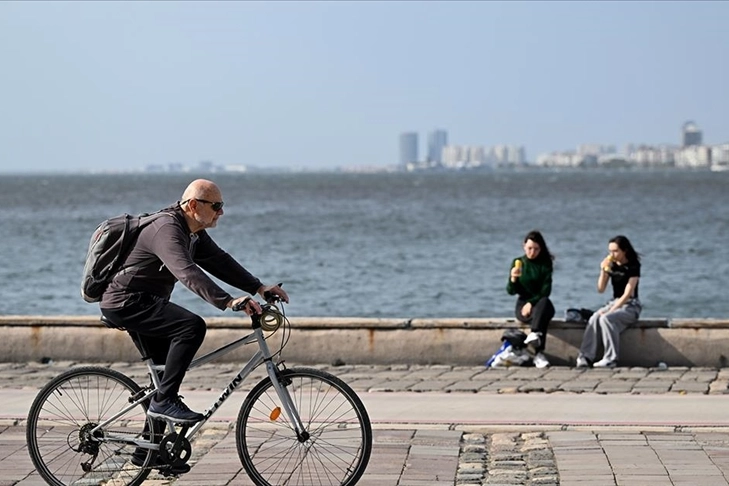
[339, 442]
[60, 434]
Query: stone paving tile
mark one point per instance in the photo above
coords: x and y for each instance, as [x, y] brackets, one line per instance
[528, 373]
[643, 481]
[505, 386]
[580, 387]
[561, 375]
[719, 387]
[630, 372]
[546, 386]
[425, 374]
[434, 385]
[665, 375]
[690, 387]
[466, 386]
[615, 386]
[500, 372]
[723, 373]
[386, 386]
[30, 481]
[587, 481]
[399, 375]
[457, 375]
[365, 383]
[699, 375]
[591, 375]
[653, 386]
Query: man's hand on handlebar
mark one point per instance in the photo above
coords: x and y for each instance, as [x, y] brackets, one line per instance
[250, 306]
[266, 291]
[246, 304]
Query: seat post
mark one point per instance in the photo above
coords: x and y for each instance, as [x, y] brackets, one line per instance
[155, 370]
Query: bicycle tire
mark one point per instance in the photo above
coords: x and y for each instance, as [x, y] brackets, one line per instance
[62, 413]
[340, 442]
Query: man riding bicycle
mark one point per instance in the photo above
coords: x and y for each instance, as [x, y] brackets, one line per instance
[170, 249]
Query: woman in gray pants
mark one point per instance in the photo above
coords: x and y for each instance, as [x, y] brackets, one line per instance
[622, 268]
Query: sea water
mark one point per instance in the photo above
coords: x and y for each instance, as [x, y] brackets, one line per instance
[401, 245]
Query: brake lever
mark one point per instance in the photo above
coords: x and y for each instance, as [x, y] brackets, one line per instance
[240, 305]
[270, 297]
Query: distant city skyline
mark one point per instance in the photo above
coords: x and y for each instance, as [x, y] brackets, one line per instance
[117, 86]
[689, 152]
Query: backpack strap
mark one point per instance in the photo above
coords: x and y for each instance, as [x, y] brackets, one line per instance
[145, 220]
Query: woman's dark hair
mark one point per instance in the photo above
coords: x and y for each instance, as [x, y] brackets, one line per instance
[624, 244]
[544, 253]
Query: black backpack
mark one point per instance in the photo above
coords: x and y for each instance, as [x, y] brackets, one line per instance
[515, 337]
[110, 244]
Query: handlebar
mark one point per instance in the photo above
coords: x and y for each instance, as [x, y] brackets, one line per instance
[272, 298]
[271, 317]
[268, 296]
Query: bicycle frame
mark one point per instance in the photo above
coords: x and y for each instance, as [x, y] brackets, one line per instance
[262, 355]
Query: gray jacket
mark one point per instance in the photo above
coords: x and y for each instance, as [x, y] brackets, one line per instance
[166, 252]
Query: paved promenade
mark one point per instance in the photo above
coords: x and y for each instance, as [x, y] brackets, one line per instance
[446, 425]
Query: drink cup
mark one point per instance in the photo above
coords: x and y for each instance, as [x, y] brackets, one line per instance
[606, 268]
[517, 266]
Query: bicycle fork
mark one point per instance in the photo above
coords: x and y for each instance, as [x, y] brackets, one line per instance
[283, 393]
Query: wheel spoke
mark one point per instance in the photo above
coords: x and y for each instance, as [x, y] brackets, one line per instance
[340, 437]
[61, 423]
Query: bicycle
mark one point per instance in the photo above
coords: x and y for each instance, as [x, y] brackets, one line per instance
[298, 426]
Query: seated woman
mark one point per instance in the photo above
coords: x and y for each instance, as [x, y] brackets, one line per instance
[622, 268]
[531, 279]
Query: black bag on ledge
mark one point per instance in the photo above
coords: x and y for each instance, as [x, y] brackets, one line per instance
[580, 316]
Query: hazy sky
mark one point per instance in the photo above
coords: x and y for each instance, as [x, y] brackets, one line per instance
[119, 85]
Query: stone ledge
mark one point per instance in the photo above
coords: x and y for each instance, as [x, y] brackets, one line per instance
[369, 322]
[699, 323]
[453, 341]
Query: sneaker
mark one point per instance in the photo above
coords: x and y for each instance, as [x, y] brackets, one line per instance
[176, 469]
[534, 339]
[582, 362]
[540, 361]
[174, 410]
[605, 363]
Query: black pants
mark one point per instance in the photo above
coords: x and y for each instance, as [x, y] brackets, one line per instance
[539, 319]
[171, 333]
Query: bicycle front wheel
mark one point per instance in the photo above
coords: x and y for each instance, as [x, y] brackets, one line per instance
[337, 439]
[64, 441]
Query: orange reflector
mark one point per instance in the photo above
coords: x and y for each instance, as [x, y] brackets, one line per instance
[275, 413]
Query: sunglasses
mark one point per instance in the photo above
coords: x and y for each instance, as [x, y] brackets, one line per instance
[216, 206]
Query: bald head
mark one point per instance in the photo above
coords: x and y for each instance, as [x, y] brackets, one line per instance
[202, 189]
[202, 204]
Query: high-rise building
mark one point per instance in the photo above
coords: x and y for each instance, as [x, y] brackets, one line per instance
[691, 135]
[437, 139]
[408, 148]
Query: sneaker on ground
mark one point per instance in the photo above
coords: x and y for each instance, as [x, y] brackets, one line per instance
[540, 361]
[605, 363]
[176, 469]
[582, 362]
[174, 410]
